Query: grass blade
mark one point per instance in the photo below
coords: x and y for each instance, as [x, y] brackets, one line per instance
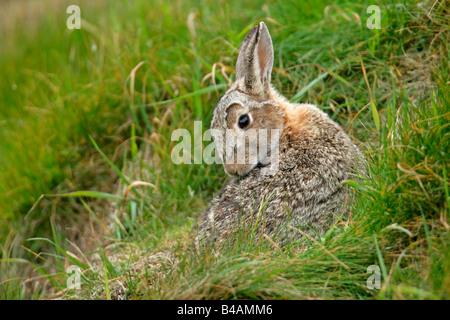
[119, 173]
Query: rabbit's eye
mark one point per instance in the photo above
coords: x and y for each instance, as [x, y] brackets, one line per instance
[244, 121]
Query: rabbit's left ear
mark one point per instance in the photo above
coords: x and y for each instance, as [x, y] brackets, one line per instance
[255, 60]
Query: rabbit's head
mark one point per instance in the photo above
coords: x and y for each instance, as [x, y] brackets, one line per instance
[248, 120]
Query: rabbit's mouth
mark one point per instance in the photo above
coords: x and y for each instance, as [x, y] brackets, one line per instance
[239, 170]
[243, 171]
[262, 165]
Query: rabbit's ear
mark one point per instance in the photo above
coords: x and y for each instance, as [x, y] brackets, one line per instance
[255, 60]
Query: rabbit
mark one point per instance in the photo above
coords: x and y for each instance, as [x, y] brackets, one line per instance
[304, 195]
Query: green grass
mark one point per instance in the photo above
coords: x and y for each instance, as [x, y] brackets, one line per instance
[87, 117]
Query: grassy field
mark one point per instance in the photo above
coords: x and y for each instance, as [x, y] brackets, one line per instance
[87, 180]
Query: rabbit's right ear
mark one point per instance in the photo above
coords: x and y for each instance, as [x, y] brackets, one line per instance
[255, 60]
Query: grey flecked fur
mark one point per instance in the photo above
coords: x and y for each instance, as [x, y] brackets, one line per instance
[306, 194]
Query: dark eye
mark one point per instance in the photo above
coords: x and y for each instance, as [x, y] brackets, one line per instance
[244, 121]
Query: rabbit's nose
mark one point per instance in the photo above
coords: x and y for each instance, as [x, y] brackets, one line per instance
[230, 169]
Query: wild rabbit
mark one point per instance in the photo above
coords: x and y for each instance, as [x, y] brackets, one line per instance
[292, 185]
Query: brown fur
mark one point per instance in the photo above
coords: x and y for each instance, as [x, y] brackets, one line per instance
[306, 194]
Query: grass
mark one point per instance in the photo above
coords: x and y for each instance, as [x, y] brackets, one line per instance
[87, 118]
